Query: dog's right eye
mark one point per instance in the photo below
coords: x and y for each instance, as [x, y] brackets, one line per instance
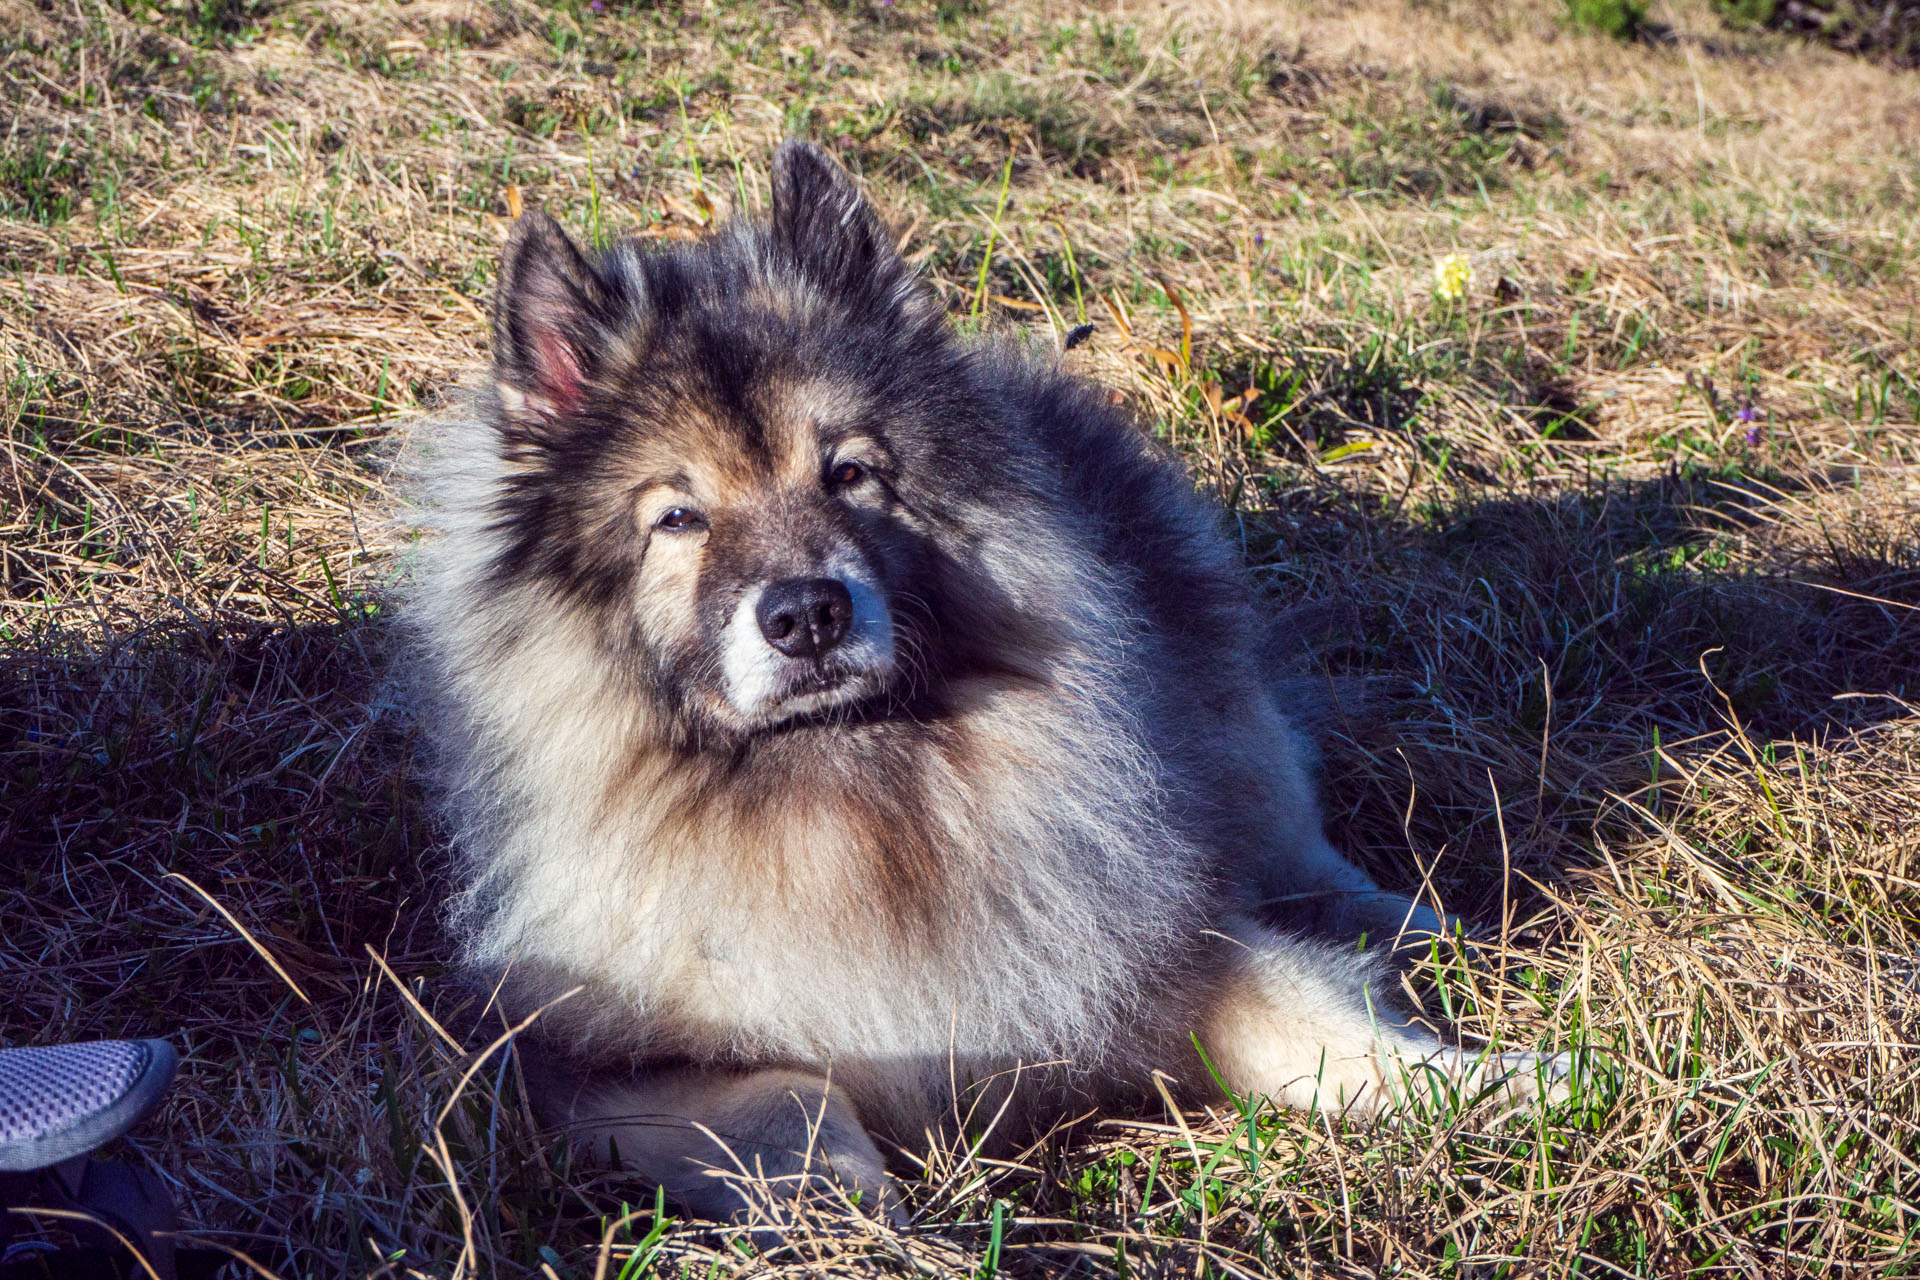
[680, 520]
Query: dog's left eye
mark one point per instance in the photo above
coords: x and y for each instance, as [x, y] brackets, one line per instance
[679, 519]
[847, 474]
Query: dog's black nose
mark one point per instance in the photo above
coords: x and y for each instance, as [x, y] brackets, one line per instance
[805, 617]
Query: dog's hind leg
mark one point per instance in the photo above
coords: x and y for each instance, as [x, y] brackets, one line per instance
[1343, 901]
[1293, 1021]
[729, 1146]
[1290, 874]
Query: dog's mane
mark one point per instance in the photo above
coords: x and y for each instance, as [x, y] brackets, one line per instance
[994, 857]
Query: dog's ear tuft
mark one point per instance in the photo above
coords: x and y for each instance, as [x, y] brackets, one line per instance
[549, 314]
[826, 228]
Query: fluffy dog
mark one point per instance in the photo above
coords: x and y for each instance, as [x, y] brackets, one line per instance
[863, 725]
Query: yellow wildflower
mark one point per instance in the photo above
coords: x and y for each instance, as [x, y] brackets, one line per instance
[1452, 275]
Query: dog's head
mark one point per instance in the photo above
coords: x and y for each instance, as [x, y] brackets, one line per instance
[726, 455]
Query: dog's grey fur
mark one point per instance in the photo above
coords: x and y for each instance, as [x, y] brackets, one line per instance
[1040, 817]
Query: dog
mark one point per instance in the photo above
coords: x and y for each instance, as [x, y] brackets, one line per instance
[850, 734]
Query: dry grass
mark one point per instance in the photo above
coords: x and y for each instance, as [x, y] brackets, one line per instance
[1644, 671]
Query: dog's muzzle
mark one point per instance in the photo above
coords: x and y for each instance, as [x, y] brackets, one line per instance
[801, 645]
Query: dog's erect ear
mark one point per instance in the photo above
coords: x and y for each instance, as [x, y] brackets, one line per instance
[549, 316]
[825, 227]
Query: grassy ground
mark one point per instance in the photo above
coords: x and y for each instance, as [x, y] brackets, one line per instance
[1622, 541]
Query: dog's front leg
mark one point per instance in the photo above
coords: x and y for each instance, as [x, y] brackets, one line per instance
[730, 1146]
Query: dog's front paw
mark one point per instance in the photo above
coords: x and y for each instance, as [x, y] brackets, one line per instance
[860, 1180]
[773, 1197]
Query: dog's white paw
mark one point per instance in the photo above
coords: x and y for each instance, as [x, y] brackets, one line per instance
[1531, 1078]
[1517, 1078]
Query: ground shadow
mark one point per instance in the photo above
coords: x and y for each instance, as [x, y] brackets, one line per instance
[1535, 651]
[181, 799]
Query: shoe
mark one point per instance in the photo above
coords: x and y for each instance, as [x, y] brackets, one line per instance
[63, 1100]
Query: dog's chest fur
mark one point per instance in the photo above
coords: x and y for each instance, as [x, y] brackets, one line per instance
[996, 886]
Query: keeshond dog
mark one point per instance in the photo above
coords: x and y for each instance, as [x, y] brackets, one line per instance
[851, 734]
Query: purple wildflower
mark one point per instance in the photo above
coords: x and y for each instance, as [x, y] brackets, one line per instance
[1753, 437]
